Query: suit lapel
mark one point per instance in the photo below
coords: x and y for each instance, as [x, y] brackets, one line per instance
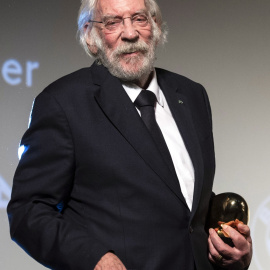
[178, 104]
[122, 113]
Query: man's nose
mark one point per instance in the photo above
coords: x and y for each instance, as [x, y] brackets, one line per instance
[129, 32]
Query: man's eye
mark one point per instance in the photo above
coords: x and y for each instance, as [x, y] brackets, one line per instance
[139, 19]
[112, 22]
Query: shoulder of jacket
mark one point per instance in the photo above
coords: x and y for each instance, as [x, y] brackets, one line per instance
[178, 79]
[72, 82]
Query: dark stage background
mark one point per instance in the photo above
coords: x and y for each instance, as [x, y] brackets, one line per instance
[222, 44]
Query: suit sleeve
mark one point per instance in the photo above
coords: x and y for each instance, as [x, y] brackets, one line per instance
[208, 107]
[42, 185]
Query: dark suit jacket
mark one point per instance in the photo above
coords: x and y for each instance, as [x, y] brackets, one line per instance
[91, 179]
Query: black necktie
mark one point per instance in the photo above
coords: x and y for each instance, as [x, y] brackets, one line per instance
[146, 102]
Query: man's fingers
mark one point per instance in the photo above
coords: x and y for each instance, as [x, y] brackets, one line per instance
[220, 247]
[214, 255]
[239, 240]
[211, 258]
[212, 249]
[245, 230]
[236, 257]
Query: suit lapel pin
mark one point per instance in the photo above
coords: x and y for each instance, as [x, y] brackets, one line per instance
[180, 101]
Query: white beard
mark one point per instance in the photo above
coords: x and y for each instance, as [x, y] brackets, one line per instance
[127, 68]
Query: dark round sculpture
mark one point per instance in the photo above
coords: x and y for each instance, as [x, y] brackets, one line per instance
[226, 207]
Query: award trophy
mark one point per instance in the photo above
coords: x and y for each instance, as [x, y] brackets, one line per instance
[229, 208]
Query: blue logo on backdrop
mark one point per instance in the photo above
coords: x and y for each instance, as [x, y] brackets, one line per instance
[5, 192]
[14, 73]
[261, 235]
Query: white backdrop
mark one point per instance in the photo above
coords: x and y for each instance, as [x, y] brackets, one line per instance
[224, 45]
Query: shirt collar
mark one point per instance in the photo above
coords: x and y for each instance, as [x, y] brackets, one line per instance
[133, 90]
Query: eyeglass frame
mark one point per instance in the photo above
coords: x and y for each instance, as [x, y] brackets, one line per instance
[122, 20]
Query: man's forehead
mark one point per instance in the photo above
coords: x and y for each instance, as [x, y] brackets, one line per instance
[120, 6]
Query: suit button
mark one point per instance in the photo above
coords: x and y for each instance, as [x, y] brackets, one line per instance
[190, 229]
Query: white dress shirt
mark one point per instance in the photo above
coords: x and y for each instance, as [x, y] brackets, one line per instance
[180, 157]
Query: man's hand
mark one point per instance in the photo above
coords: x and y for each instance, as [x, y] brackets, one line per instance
[233, 258]
[110, 262]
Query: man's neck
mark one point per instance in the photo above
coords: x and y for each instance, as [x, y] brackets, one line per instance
[144, 81]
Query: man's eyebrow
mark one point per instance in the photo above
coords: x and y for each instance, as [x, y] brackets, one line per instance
[111, 16]
[141, 11]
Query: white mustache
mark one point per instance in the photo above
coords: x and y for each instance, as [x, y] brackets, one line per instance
[139, 46]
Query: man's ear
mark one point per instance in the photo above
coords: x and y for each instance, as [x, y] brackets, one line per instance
[90, 43]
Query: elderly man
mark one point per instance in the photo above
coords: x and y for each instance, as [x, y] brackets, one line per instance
[118, 161]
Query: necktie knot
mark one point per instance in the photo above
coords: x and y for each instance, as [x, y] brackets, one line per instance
[145, 98]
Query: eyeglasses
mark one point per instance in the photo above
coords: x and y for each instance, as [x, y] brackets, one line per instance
[113, 24]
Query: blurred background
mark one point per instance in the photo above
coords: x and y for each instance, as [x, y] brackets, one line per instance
[223, 45]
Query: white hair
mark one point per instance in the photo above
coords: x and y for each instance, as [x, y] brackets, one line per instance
[87, 12]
